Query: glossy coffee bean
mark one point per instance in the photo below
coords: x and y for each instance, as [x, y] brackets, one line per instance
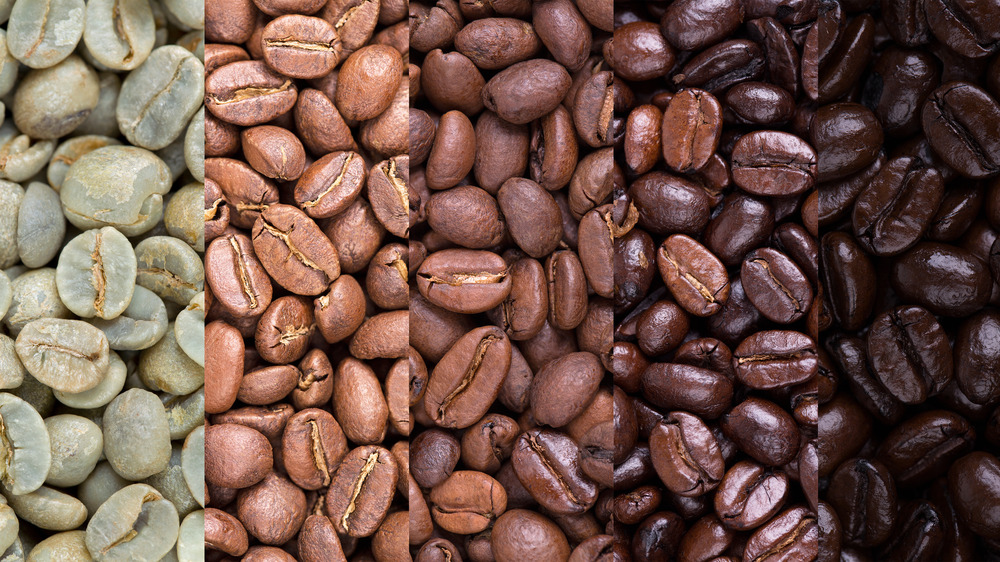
[686, 455]
[909, 353]
[867, 519]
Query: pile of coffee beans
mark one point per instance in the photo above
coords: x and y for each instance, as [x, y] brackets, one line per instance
[910, 258]
[101, 280]
[306, 215]
[715, 275]
[511, 287]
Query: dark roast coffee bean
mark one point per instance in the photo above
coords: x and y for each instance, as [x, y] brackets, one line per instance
[773, 163]
[977, 357]
[868, 518]
[776, 285]
[894, 211]
[953, 281]
[909, 353]
[686, 455]
[956, 118]
[775, 359]
[922, 447]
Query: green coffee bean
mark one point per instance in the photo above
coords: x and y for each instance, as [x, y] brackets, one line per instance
[104, 392]
[119, 186]
[193, 463]
[70, 545]
[173, 156]
[40, 225]
[136, 434]
[102, 119]
[19, 158]
[15, 553]
[34, 295]
[24, 445]
[11, 196]
[52, 102]
[170, 268]
[8, 525]
[194, 146]
[100, 485]
[189, 13]
[48, 508]
[166, 367]
[35, 393]
[158, 99]
[70, 151]
[185, 215]
[40, 33]
[194, 41]
[67, 355]
[5, 294]
[171, 483]
[119, 33]
[184, 413]
[76, 444]
[191, 538]
[136, 523]
[189, 329]
[8, 64]
[142, 324]
[96, 273]
[11, 371]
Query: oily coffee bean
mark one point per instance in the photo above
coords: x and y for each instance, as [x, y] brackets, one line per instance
[697, 115]
[716, 358]
[776, 285]
[952, 117]
[907, 278]
[696, 278]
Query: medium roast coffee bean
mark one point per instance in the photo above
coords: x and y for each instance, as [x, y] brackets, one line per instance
[686, 455]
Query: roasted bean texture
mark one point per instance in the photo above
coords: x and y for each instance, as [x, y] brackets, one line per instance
[715, 362]
[306, 224]
[511, 286]
[910, 346]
